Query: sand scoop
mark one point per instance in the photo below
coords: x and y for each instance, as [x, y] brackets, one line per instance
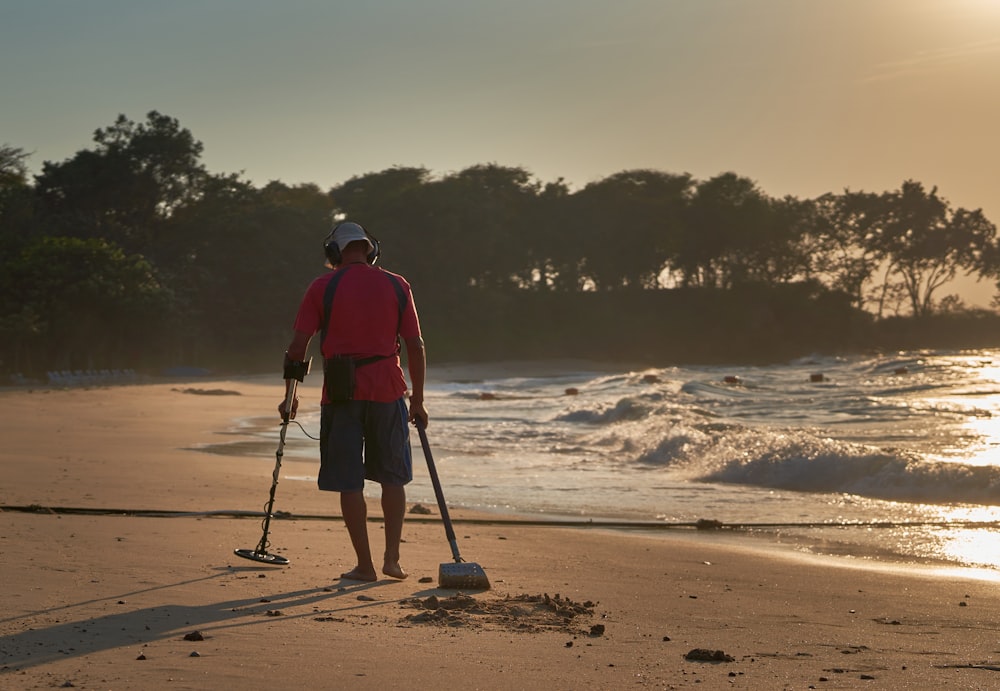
[460, 574]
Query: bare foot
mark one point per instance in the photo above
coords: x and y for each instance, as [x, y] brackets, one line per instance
[394, 570]
[360, 574]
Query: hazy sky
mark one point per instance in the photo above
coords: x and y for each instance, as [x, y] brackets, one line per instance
[803, 96]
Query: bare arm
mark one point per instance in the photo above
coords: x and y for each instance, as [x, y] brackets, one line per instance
[417, 362]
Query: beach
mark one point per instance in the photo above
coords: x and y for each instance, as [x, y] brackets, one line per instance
[117, 559]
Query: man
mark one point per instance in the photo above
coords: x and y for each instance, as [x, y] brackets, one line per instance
[362, 316]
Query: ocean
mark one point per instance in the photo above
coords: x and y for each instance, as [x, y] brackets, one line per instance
[892, 458]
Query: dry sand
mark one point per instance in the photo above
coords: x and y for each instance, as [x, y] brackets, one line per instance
[147, 601]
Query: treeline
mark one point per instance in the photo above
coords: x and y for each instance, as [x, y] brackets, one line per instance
[131, 254]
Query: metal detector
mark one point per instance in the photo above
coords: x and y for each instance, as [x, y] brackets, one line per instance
[260, 553]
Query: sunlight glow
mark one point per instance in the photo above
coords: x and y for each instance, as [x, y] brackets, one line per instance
[973, 547]
[974, 540]
[973, 434]
[984, 422]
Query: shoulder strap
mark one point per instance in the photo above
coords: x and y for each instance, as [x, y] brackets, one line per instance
[331, 288]
[400, 295]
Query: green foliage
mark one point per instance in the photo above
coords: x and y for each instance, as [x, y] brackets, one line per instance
[625, 226]
[241, 259]
[71, 303]
[16, 201]
[924, 243]
[127, 187]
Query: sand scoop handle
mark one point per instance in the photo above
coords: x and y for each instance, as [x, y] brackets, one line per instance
[438, 492]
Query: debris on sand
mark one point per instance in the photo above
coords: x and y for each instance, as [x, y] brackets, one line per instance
[208, 392]
[708, 524]
[528, 613]
[706, 655]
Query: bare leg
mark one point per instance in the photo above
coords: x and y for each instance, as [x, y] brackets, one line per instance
[355, 511]
[393, 510]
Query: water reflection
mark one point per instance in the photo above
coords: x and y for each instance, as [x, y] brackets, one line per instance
[971, 539]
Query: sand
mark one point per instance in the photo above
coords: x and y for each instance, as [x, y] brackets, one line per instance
[144, 592]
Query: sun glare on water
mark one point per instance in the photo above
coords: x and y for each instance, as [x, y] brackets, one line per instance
[975, 547]
[985, 423]
[967, 535]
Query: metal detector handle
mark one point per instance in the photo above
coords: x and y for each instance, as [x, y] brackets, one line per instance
[438, 492]
[289, 399]
[294, 371]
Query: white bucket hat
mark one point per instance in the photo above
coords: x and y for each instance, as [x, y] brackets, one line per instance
[346, 233]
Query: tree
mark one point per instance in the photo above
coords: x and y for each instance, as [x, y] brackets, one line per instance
[726, 219]
[625, 226]
[15, 199]
[779, 248]
[480, 225]
[925, 243]
[241, 259]
[71, 303]
[847, 254]
[464, 230]
[13, 169]
[124, 188]
[394, 206]
[554, 264]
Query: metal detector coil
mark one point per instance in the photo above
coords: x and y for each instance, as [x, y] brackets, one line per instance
[261, 556]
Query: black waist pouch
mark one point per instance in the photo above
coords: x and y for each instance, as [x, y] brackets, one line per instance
[338, 375]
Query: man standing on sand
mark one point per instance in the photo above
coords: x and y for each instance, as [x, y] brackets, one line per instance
[362, 312]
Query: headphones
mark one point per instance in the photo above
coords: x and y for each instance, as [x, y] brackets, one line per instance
[332, 249]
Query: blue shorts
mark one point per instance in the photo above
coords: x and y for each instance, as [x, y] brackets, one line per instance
[363, 440]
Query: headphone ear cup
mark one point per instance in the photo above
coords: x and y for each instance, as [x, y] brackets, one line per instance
[332, 251]
[376, 251]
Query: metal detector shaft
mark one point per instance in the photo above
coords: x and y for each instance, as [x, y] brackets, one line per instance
[439, 493]
[289, 400]
[260, 553]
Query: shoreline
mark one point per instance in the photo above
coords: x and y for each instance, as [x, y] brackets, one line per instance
[117, 601]
[232, 441]
[762, 542]
[242, 429]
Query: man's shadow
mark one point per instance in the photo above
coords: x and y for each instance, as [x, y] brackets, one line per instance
[71, 636]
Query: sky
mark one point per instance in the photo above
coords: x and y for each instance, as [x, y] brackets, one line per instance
[804, 97]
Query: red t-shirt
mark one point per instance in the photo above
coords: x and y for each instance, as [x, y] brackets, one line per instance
[364, 321]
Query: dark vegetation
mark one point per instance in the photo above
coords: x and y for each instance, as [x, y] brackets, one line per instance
[130, 254]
